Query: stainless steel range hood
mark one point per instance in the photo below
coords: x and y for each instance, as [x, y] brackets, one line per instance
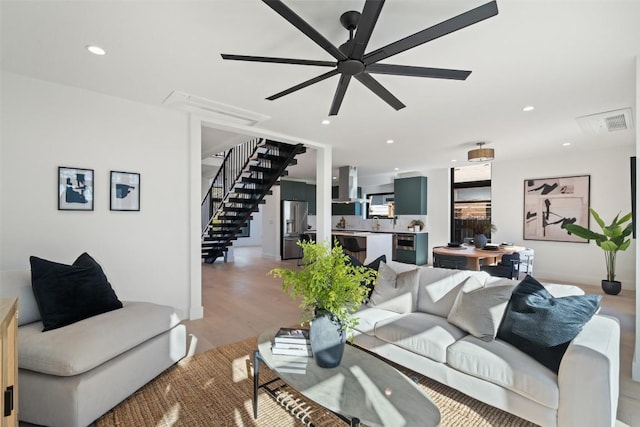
[348, 185]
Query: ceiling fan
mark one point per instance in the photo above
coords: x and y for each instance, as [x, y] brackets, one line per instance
[351, 59]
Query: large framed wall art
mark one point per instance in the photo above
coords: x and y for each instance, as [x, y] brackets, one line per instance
[550, 203]
[125, 191]
[75, 189]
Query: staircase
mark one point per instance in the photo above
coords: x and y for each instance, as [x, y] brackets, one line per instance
[244, 179]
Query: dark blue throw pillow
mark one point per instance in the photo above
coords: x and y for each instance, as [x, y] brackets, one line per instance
[66, 294]
[541, 325]
[374, 265]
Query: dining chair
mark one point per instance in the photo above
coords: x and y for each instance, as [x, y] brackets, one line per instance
[449, 261]
[509, 266]
[526, 261]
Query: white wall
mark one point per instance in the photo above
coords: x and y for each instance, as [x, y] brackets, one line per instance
[144, 254]
[610, 193]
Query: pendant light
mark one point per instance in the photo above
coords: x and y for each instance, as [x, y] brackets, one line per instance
[480, 154]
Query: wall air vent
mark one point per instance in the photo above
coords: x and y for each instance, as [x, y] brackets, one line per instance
[212, 109]
[609, 121]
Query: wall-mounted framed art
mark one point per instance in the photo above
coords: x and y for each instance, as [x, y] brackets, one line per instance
[75, 189]
[125, 191]
[549, 203]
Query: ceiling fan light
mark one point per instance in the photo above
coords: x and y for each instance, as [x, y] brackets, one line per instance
[481, 154]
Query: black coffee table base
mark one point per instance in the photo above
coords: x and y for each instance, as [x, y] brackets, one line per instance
[273, 391]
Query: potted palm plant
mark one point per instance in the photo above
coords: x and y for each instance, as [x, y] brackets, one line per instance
[332, 289]
[614, 238]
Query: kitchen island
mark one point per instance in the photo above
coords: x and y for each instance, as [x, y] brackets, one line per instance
[376, 243]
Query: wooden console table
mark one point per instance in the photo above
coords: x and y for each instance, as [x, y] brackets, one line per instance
[9, 356]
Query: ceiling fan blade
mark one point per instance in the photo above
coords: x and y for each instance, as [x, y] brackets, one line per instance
[379, 90]
[278, 60]
[367, 22]
[407, 70]
[303, 85]
[470, 17]
[339, 95]
[303, 26]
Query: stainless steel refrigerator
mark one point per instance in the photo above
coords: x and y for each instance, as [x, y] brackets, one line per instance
[294, 222]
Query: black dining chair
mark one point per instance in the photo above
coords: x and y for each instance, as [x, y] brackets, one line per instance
[509, 267]
[449, 261]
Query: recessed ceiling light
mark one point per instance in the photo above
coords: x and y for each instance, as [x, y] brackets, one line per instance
[325, 122]
[453, 160]
[396, 169]
[390, 141]
[529, 108]
[566, 144]
[96, 50]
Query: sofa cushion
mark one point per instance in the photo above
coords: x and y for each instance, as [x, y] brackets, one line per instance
[68, 293]
[500, 363]
[395, 291]
[478, 308]
[420, 333]
[368, 317]
[541, 325]
[81, 346]
[439, 287]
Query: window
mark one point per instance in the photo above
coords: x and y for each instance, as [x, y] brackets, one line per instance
[380, 205]
[471, 199]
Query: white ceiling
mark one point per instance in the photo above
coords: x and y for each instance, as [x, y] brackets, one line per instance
[568, 58]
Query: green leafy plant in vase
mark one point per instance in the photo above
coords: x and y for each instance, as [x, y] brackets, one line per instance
[480, 228]
[614, 238]
[332, 289]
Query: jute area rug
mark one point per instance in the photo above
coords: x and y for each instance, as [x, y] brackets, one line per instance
[215, 388]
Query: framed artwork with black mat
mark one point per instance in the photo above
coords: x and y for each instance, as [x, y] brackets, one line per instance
[125, 191]
[75, 189]
[550, 203]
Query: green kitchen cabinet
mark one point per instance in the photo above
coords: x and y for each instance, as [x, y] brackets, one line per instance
[311, 198]
[293, 190]
[410, 195]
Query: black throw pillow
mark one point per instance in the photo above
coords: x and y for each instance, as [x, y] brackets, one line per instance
[374, 265]
[541, 325]
[68, 293]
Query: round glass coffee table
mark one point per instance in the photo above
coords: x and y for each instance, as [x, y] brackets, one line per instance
[363, 389]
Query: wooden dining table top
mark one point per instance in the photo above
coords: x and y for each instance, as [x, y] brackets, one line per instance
[474, 255]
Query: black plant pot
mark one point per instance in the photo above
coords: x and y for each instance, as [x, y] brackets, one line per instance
[327, 340]
[480, 241]
[611, 287]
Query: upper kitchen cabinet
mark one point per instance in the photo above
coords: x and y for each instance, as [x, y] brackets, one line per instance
[311, 198]
[410, 195]
[293, 190]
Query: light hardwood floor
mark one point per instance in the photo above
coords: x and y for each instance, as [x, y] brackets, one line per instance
[240, 300]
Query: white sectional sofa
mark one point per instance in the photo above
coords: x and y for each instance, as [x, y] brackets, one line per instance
[70, 376]
[583, 393]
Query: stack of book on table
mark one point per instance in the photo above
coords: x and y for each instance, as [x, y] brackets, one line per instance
[291, 342]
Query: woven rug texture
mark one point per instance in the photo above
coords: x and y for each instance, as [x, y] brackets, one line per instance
[215, 388]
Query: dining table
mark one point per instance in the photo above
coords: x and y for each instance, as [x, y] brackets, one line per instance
[473, 255]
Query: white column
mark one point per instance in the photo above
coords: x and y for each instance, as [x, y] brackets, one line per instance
[196, 310]
[635, 368]
[323, 193]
